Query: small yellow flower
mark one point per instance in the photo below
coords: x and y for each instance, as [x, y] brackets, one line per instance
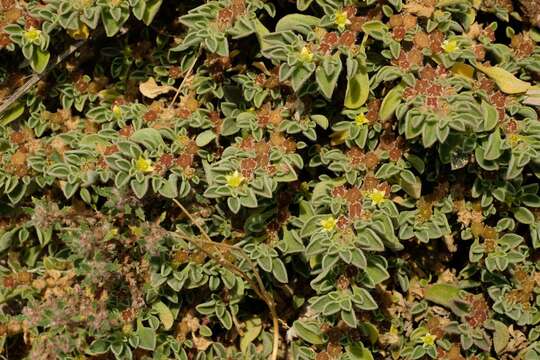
[127, 328]
[144, 165]
[361, 119]
[305, 55]
[111, 234]
[328, 224]
[342, 20]
[428, 340]
[136, 231]
[235, 179]
[82, 4]
[81, 33]
[377, 196]
[449, 46]
[514, 139]
[117, 111]
[32, 34]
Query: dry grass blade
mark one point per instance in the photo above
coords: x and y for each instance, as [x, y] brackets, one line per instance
[258, 287]
[186, 76]
[34, 79]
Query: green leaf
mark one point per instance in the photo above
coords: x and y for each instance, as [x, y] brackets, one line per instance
[69, 189]
[97, 347]
[376, 272]
[414, 189]
[446, 295]
[205, 138]
[524, 215]
[491, 116]
[303, 5]
[359, 352]
[279, 271]
[327, 80]
[357, 89]
[375, 29]
[139, 187]
[350, 318]
[40, 59]
[321, 120]
[12, 113]
[110, 25]
[253, 330]
[147, 337]
[261, 31]
[150, 10]
[300, 75]
[493, 146]
[169, 188]
[7, 238]
[311, 225]
[165, 314]
[391, 102]
[370, 331]
[234, 204]
[363, 299]
[501, 336]
[297, 22]
[309, 331]
[149, 137]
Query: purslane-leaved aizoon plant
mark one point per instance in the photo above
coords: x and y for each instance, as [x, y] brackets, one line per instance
[251, 179]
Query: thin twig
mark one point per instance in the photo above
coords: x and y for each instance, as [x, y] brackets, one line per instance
[34, 79]
[259, 288]
[186, 75]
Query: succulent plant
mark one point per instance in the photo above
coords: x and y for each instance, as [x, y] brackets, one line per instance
[250, 179]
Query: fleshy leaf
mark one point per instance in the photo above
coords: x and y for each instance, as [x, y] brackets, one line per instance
[505, 80]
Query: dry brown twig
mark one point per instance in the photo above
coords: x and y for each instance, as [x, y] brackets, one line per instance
[186, 76]
[35, 78]
[257, 286]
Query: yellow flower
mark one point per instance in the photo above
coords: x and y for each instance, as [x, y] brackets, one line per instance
[328, 224]
[182, 139]
[111, 234]
[305, 55]
[342, 20]
[80, 33]
[234, 180]
[449, 46]
[377, 196]
[117, 111]
[32, 34]
[361, 119]
[144, 165]
[82, 4]
[514, 139]
[127, 328]
[428, 340]
[136, 231]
